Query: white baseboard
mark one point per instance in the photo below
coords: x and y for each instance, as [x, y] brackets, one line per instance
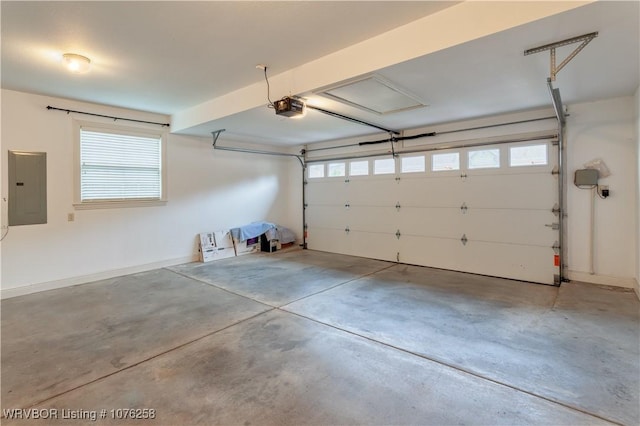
[7, 293]
[586, 277]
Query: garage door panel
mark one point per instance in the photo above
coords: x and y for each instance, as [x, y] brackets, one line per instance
[327, 216]
[431, 222]
[327, 239]
[326, 192]
[372, 219]
[511, 191]
[511, 226]
[380, 246]
[442, 253]
[431, 191]
[520, 262]
[373, 192]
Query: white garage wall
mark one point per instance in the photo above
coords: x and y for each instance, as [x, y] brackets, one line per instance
[207, 191]
[604, 129]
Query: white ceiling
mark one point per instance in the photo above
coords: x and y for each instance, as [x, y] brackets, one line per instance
[182, 58]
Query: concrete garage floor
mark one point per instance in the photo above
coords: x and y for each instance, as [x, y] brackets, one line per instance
[304, 337]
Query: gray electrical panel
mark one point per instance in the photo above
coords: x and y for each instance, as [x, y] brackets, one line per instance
[586, 177]
[27, 188]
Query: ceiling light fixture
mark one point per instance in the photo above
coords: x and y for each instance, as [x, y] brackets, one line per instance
[75, 63]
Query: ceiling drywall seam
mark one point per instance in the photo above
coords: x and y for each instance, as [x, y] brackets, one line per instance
[453, 26]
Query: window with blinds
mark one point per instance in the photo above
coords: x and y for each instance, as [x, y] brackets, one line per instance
[117, 166]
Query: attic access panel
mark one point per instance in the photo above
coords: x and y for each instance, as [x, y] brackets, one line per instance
[373, 94]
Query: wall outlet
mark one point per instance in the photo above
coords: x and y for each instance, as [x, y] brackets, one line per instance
[71, 217]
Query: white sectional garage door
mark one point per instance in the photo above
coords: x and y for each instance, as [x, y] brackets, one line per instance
[486, 210]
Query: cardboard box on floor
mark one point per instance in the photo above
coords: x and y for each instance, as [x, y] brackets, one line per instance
[216, 245]
[252, 245]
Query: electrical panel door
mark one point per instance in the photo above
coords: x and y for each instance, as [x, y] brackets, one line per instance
[27, 188]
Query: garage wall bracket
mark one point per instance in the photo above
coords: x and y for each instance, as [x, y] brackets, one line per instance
[551, 47]
[216, 135]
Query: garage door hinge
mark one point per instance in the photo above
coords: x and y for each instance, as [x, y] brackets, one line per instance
[305, 205]
[463, 176]
[464, 239]
[347, 181]
[346, 206]
[397, 178]
[463, 208]
[305, 182]
[555, 171]
[398, 234]
[398, 257]
[556, 247]
[347, 230]
[398, 206]
[554, 226]
[555, 142]
[556, 209]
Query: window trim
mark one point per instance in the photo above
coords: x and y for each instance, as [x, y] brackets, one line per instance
[78, 204]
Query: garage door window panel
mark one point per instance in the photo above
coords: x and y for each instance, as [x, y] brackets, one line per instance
[315, 171]
[448, 161]
[336, 170]
[359, 168]
[414, 164]
[484, 159]
[384, 166]
[528, 155]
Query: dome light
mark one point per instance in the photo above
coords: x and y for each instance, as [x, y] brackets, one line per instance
[75, 63]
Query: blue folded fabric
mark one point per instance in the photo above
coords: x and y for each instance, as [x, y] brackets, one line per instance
[252, 230]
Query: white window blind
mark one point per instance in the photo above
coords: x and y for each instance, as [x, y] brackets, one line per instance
[117, 166]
